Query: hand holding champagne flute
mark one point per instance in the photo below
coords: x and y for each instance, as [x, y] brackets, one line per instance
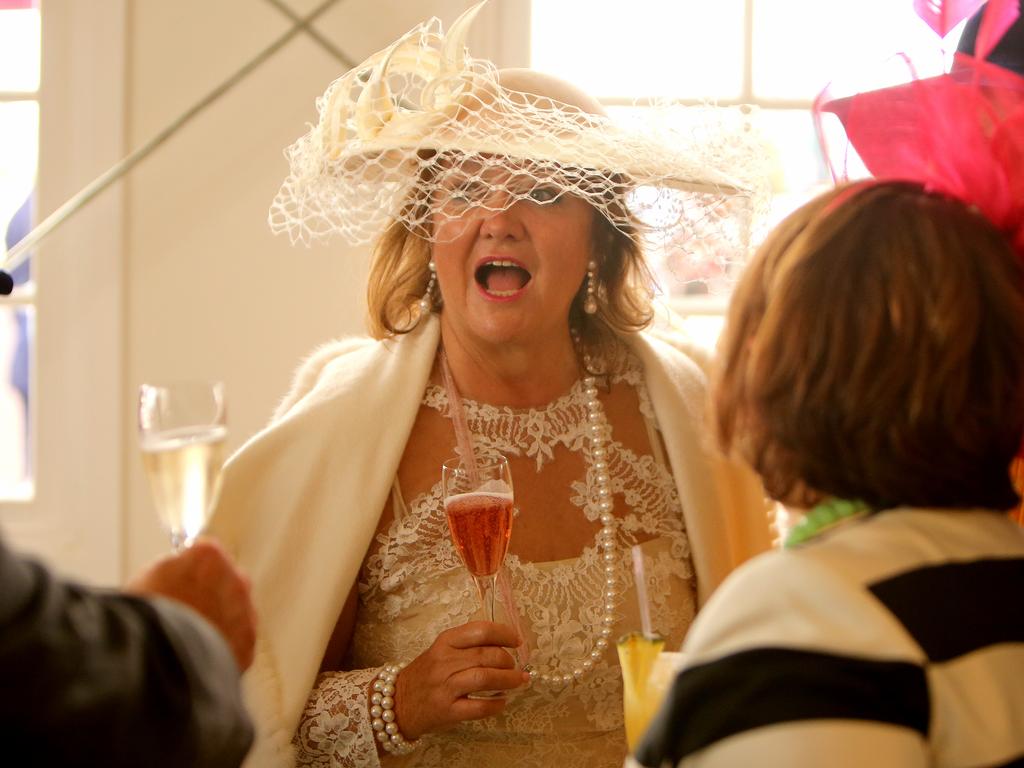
[478, 505]
[182, 429]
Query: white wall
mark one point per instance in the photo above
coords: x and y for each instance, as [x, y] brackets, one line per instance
[208, 291]
[172, 272]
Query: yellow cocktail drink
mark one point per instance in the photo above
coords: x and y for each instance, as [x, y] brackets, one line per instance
[637, 656]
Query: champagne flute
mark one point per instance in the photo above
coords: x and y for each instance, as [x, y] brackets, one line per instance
[478, 505]
[182, 429]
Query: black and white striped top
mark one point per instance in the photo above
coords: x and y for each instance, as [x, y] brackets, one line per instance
[893, 640]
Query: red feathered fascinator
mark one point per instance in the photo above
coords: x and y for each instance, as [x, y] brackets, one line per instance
[960, 133]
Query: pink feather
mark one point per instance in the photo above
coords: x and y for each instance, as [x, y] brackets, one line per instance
[943, 15]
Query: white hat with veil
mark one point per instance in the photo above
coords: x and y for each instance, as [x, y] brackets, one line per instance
[423, 122]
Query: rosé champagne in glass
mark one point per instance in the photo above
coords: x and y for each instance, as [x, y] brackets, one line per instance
[480, 524]
[478, 505]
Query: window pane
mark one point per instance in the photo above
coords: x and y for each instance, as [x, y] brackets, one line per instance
[19, 132]
[643, 47]
[798, 168]
[19, 145]
[800, 46]
[697, 261]
[686, 269]
[19, 46]
[16, 331]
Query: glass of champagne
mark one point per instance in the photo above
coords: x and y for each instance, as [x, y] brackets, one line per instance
[182, 429]
[478, 505]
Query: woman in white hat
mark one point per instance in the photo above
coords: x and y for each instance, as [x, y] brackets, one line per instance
[505, 251]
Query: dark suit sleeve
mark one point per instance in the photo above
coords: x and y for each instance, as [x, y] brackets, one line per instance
[100, 678]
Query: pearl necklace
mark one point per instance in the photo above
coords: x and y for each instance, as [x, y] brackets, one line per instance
[598, 432]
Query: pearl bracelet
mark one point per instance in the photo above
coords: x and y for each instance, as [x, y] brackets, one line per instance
[382, 712]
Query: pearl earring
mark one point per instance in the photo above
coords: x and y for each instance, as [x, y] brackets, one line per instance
[426, 303]
[590, 304]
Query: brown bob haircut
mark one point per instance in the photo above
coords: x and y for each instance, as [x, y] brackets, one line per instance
[399, 274]
[874, 350]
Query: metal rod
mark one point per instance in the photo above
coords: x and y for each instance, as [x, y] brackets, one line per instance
[20, 251]
[310, 30]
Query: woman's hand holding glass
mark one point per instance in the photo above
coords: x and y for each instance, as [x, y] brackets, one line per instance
[478, 504]
[467, 671]
[434, 691]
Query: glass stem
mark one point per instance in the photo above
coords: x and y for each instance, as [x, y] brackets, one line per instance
[485, 584]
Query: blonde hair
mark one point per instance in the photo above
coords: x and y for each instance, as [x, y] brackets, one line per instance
[874, 350]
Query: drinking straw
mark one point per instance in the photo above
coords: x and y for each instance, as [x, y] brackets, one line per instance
[458, 415]
[641, 591]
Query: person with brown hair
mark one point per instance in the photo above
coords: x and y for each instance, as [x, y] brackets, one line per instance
[507, 253]
[871, 353]
[872, 372]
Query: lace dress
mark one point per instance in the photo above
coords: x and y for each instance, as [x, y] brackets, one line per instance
[412, 586]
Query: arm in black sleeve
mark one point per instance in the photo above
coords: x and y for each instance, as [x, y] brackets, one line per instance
[100, 678]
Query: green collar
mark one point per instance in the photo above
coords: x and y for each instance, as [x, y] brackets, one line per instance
[824, 516]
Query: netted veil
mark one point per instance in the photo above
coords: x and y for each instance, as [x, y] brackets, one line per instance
[422, 128]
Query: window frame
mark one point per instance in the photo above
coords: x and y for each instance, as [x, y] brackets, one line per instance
[74, 518]
[23, 297]
[714, 305]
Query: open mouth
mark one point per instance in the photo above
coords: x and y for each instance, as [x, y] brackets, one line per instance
[501, 278]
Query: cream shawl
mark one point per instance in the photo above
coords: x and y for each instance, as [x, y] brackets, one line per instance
[301, 500]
